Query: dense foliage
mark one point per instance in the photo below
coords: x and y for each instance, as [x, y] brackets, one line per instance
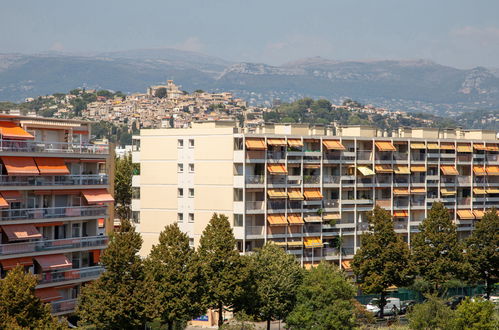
[124, 170]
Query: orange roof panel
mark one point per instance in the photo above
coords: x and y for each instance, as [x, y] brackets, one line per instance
[20, 165]
[10, 130]
[51, 166]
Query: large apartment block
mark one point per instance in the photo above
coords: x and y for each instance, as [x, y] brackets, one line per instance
[309, 189]
[54, 204]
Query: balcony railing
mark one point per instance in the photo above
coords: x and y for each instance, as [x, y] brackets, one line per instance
[69, 275]
[53, 212]
[276, 205]
[51, 245]
[255, 230]
[55, 147]
[462, 179]
[63, 306]
[364, 155]
[331, 203]
[347, 251]
[311, 179]
[56, 180]
[255, 179]
[400, 156]
[335, 179]
[255, 205]
[275, 155]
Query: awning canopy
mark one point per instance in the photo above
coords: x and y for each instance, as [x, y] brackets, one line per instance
[48, 294]
[433, 146]
[297, 143]
[479, 191]
[3, 203]
[312, 242]
[400, 214]
[277, 219]
[345, 264]
[418, 145]
[51, 166]
[295, 243]
[401, 191]
[12, 195]
[479, 146]
[331, 216]
[464, 148]
[418, 168]
[465, 214]
[12, 263]
[276, 142]
[479, 170]
[447, 192]
[276, 193]
[420, 190]
[333, 145]
[492, 147]
[20, 165]
[255, 144]
[295, 194]
[53, 261]
[383, 169]
[295, 219]
[21, 232]
[402, 169]
[312, 165]
[447, 146]
[10, 130]
[385, 146]
[277, 169]
[313, 218]
[492, 170]
[449, 170]
[478, 214]
[312, 194]
[97, 196]
[364, 170]
[492, 191]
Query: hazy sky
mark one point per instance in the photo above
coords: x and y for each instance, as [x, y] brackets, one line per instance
[453, 32]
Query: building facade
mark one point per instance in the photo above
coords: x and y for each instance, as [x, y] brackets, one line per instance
[309, 189]
[55, 205]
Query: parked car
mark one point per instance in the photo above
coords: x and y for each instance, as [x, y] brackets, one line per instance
[392, 306]
[406, 306]
[454, 301]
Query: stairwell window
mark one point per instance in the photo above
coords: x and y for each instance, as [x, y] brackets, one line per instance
[191, 168]
[180, 192]
[180, 143]
[238, 220]
[180, 168]
[191, 192]
[191, 143]
[180, 217]
[191, 217]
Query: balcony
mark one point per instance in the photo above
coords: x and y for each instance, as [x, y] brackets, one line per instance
[56, 180]
[255, 230]
[364, 155]
[255, 206]
[275, 156]
[86, 273]
[276, 179]
[401, 156]
[255, 179]
[53, 245]
[53, 147]
[384, 203]
[276, 205]
[53, 212]
[462, 179]
[63, 306]
[492, 158]
[311, 179]
[331, 203]
[331, 179]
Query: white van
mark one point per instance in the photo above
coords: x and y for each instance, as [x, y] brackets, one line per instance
[392, 306]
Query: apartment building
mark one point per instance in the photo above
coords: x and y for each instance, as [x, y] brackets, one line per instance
[309, 189]
[55, 204]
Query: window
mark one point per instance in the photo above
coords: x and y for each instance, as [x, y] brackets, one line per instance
[76, 230]
[238, 220]
[191, 242]
[180, 217]
[191, 143]
[238, 144]
[238, 169]
[191, 192]
[135, 192]
[191, 168]
[180, 192]
[191, 217]
[136, 216]
[238, 195]
[180, 168]
[180, 143]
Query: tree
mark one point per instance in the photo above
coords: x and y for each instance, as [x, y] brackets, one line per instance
[123, 186]
[116, 299]
[324, 300]
[482, 253]
[475, 314]
[19, 307]
[432, 314]
[161, 93]
[174, 275]
[277, 276]
[436, 251]
[383, 259]
[222, 266]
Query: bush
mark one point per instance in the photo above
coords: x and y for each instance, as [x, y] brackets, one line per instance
[476, 314]
[433, 314]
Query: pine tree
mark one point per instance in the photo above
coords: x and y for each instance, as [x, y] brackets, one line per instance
[324, 300]
[173, 274]
[116, 299]
[436, 250]
[222, 266]
[383, 259]
[123, 186]
[482, 252]
[19, 307]
[277, 276]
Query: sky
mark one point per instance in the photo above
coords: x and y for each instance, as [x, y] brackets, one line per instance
[458, 33]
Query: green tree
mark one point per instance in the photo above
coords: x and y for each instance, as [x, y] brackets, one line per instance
[324, 300]
[222, 266]
[174, 276]
[123, 186]
[19, 307]
[383, 259]
[432, 314]
[482, 253]
[436, 251]
[475, 314]
[116, 299]
[277, 276]
[199, 91]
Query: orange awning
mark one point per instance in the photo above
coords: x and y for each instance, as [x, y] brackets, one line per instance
[433, 146]
[295, 143]
[421, 190]
[492, 170]
[276, 142]
[97, 196]
[345, 264]
[11, 195]
[312, 194]
[10, 130]
[12, 263]
[277, 219]
[21, 232]
[447, 146]
[385, 146]
[48, 294]
[465, 214]
[53, 261]
[312, 242]
[418, 168]
[418, 145]
[479, 191]
[449, 170]
[479, 170]
[3, 203]
[383, 169]
[464, 148]
[277, 169]
[478, 214]
[295, 194]
[295, 219]
[51, 166]
[479, 146]
[20, 165]
[400, 214]
[401, 191]
[333, 145]
[255, 144]
[492, 147]
[276, 193]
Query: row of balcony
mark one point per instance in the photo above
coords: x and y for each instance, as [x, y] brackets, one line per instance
[53, 147]
[54, 180]
[53, 212]
[53, 245]
[69, 275]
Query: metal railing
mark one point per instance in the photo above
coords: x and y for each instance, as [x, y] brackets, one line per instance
[69, 275]
[276, 205]
[331, 203]
[63, 306]
[53, 212]
[463, 179]
[311, 179]
[400, 156]
[335, 179]
[54, 180]
[255, 179]
[255, 230]
[255, 205]
[55, 147]
[364, 155]
[50, 245]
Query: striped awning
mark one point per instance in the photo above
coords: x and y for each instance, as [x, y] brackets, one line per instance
[333, 145]
[419, 190]
[401, 191]
[447, 192]
[295, 194]
[478, 214]
[449, 170]
[295, 219]
[418, 168]
[478, 146]
[295, 143]
[418, 145]
[464, 148]
[277, 219]
[465, 214]
[276, 193]
[385, 146]
[312, 242]
[402, 169]
[447, 146]
[364, 170]
[277, 169]
[312, 194]
[492, 170]
[479, 170]
[255, 144]
[276, 142]
[401, 213]
[383, 168]
[479, 191]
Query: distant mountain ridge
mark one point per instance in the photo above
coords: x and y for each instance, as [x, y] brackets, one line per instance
[410, 85]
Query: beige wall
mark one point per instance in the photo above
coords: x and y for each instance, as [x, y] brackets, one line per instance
[214, 173]
[157, 147]
[158, 172]
[214, 147]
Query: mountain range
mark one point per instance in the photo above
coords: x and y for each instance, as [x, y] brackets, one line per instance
[415, 85]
